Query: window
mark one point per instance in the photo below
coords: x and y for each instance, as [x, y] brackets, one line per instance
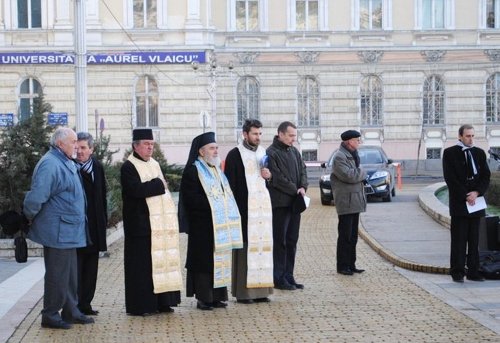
[435, 14]
[310, 155]
[308, 102]
[247, 15]
[28, 91]
[247, 99]
[306, 15]
[146, 102]
[433, 101]
[492, 12]
[371, 101]
[433, 153]
[493, 98]
[370, 14]
[145, 14]
[29, 14]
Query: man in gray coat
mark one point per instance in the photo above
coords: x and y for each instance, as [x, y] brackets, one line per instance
[348, 192]
[55, 205]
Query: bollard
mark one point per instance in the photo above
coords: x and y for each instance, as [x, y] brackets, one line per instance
[398, 175]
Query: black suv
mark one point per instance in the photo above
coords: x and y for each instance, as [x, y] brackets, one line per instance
[381, 180]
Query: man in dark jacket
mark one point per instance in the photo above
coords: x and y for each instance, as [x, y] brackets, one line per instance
[94, 184]
[467, 175]
[289, 181]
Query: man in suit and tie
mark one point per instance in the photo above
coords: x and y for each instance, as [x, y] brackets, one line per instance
[467, 176]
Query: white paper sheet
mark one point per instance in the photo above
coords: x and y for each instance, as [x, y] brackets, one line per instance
[478, 206]
[307, 200]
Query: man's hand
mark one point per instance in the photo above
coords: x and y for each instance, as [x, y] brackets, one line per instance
[265, 173]
[301, 191]
[471, 197]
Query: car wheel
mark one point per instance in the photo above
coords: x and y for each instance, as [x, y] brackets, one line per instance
[388, 198]
[325, 202]
[393, 192]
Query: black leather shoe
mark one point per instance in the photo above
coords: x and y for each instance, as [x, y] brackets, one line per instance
[356, 270]
[245, 301]
[262, 300]
[285, 286]
[475, 278]
[204, 306]
[458, 278]
[298, 285]
[166, 309]
[60, 324]
[346, 271]
[218, 304]
[89, 312]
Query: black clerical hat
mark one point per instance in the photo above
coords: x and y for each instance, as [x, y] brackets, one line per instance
[140, 134]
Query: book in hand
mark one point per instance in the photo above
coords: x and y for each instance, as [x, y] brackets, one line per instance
[479, 205]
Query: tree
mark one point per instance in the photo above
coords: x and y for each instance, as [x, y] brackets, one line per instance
[22, 145]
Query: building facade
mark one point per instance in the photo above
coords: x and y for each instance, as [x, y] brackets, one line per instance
[405, 73]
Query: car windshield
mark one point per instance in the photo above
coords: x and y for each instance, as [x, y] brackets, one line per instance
[370, 156]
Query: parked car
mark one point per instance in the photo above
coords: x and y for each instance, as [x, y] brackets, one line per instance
[381, 180]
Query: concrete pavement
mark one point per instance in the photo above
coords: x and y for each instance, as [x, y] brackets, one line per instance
[384, 304]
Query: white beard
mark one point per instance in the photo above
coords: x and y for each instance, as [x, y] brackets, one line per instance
[215, 161]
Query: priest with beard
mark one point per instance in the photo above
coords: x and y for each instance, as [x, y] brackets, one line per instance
[208, 213]
[153, 276]
[247, 172]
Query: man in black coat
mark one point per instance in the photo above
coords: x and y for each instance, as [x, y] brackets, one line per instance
[94, 184]
[467, 175]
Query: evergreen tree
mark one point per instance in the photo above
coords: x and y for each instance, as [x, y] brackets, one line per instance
[21, 147]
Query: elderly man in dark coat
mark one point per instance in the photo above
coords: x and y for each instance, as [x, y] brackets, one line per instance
[350, 199]
[152, 262]
[94, 184]
[209, 214]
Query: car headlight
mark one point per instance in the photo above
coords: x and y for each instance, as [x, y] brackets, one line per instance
[325, 178]
[379, 174]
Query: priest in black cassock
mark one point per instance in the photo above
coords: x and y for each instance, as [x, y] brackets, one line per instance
[152, 261]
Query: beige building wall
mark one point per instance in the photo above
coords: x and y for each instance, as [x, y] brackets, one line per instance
[338, 55]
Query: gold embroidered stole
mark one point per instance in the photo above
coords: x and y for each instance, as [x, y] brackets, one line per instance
[165, 254]
[226, 220]
[260, 221]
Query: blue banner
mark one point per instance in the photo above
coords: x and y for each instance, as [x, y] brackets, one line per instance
[54, 119]
[150, 57]
[6, 119]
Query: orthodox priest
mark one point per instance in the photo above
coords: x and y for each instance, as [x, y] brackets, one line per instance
[209, 214]
[152, 261]
[247, 172]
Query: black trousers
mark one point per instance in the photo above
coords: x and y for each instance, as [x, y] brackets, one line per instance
[286, 226]
[464, 246]
[347, 240]
[87, 278]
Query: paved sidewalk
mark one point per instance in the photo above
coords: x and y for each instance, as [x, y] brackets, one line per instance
[384, 304]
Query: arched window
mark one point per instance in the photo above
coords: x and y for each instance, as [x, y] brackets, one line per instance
[28, 91]
[433, 101]
[308, 101]
[146, 102]
[247, 99]
[493, 98]
[371, 101]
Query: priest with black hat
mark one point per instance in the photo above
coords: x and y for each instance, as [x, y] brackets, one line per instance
[209, 214]
[153, 276]
[350, 200]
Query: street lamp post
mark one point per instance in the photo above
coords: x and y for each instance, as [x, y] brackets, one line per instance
[80, 67]
[214, 71]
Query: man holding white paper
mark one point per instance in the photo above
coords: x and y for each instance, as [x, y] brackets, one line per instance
[467, 176]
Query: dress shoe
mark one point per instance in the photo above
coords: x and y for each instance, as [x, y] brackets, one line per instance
[262, 300]
[475, 278]
[292, 282]
[60, 324]
[89, 312]
[457, 278]
[285, 286]
[218, 304]
[346, 271]
[204, 306]
[245, 301]
[166, 309]
[79, 320]
[356, 270]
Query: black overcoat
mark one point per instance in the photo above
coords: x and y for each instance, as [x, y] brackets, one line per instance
[97, 209]
[198, 213]
[455, 175]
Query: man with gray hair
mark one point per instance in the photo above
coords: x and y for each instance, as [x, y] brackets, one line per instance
[56, 207]
[94, 184]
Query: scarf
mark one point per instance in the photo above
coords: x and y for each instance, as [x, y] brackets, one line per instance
[88, 167]
[469, 160]
[354, 154]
